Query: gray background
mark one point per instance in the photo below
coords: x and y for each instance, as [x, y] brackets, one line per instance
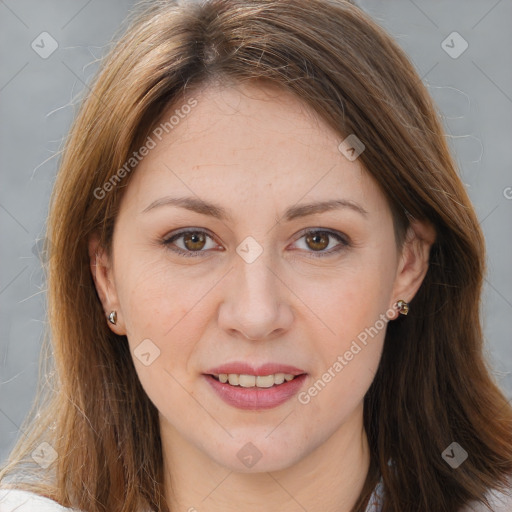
[473, 92]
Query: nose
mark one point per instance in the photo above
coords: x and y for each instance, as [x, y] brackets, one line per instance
[255, 302]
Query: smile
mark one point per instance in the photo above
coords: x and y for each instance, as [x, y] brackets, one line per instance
[255, 392]
[251, 381]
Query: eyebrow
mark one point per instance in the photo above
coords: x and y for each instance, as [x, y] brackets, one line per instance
[293, 212]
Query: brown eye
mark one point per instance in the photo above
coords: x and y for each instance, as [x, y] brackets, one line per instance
[322, 243]
[317, 240]
[190, 243]
[194, 241]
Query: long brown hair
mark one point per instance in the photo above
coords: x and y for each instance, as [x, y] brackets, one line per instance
[432, 387]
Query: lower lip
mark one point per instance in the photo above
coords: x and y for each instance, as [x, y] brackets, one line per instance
[256, 398]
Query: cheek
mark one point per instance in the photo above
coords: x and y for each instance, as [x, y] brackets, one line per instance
[354, 297]
[354, 306]
[345, 365]
[165, 306]
[164, 318]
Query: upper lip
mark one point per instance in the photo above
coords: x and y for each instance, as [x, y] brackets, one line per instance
[242, 368]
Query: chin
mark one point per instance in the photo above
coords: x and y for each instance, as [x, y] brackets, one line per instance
[259, 455]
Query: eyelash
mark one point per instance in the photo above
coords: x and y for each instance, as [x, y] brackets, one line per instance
[314, 254]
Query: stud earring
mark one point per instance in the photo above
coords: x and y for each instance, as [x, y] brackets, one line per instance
[403, 307]
[112, 318]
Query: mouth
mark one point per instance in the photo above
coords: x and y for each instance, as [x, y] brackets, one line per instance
[255, 392]
[254, 381]
[242, 385]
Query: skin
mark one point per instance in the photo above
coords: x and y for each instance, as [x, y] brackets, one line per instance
[255, 151]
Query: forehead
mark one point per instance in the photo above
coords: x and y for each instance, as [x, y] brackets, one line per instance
[252, 141]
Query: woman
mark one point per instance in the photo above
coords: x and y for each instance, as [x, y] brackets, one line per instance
[265, 281]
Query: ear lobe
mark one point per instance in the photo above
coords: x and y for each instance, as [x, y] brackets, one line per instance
[101, 270]
[414, 260]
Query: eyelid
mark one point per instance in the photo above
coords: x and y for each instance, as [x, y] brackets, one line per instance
[332, 232]
[344, 240]
[169, 239]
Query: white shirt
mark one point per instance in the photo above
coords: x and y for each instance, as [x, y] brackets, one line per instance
[13, 500]
[499, 502]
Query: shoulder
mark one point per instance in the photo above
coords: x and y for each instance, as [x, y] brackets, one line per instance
[14, 500]
[498, 501]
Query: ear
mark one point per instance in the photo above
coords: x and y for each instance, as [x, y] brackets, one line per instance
[102, 273]
[414, 260]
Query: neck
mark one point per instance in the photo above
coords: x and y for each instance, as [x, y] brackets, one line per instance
[328, 479]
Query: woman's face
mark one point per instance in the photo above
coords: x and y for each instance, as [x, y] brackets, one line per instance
[247, 240]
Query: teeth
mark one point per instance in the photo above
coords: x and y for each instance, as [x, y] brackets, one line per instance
[251, 381]
[278, 378]
[247, 381]
[266, 381]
